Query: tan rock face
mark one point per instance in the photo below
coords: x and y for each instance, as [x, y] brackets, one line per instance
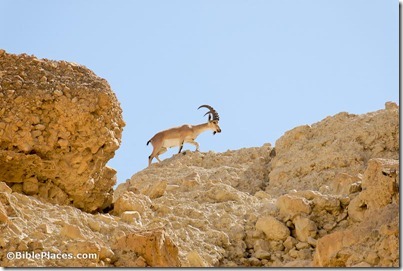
[104, 240]
[154, 246]
[309, 157]
[374, 240]
[380, 188]
[205, 203]
[59, 125]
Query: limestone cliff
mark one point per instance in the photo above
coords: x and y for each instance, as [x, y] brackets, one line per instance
[59, 125]
[326, 194]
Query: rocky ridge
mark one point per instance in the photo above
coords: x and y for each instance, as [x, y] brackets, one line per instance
[269, 206]
[326, 195]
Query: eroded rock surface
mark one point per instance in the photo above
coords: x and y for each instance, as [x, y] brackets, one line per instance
[33, 226]
[59, 125]
[310, 157]
[253, 208]
[327, 195]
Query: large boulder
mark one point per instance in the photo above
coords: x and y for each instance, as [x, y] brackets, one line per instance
[59, 125]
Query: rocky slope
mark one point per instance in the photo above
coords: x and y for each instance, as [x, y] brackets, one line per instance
[325, 195]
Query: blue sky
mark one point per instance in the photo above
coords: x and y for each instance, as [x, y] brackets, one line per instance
[266, 66]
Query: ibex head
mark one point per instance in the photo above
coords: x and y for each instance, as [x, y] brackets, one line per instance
[213, 118]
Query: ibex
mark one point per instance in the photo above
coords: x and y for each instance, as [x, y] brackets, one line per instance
[187, 133]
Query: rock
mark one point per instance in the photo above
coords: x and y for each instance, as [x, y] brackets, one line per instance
[328, 203]
[290, 206]
[273, 228]
[140, 262]
[299, 263]
[342, 183]
[131, 217]
[362, 264]
[262, 254]
[372, 258]
[30, 186]
[3, 214]
[195, 260]
[355, 188]
[380, 183]
[380, 188]
[254, 261]
[60, 124]
[302, 245]
[71, 231]
[304, 228]
[308, 157]
[290, 242]
[132, 202]
[222, 193]
[261, 244]
[5, 188]
[262, 195]
[155, 191]
[391, 106]
[154, 246]
[276, 245]
[348, 247]
[311, 241]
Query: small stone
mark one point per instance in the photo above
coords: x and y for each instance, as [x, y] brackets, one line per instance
[276, 245]
[355, 187]
[254, 261]
[262, 254]
[195, 260]
[304, 254]
[140, 262]
[40, 127]
[329, 226]
[131, 216]
[63, 143]
[290, 242]
[304, 228]
[293, 253]
[312, 241]
[290, 206]
[5, 188]
[58, 93]
[302, 245]
[372, 258]
[273, 228]
[362, 264]
[30, 186]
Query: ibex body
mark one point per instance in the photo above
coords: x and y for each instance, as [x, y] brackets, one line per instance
[187, 133]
